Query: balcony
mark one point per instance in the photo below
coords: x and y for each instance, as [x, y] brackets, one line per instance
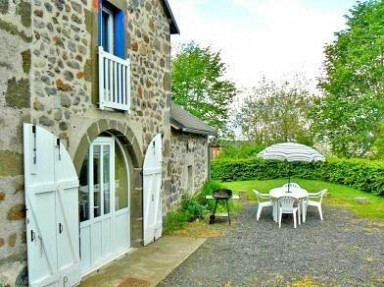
[114, 82]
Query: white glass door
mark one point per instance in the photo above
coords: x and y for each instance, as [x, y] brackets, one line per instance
[99, 221]
[100, 191]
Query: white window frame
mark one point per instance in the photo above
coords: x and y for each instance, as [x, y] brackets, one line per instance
[111, 29]
[114, 72]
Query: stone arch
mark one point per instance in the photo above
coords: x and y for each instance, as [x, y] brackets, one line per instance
[122, 131]
[131, 146]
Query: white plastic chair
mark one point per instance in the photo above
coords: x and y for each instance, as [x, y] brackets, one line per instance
[262, 204]
[317, 195]
[289, 205]
[292, 185]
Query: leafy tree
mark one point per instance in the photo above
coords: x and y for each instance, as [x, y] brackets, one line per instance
[198, 84]
[379, 144]
[235, 149]
[351, 113]
[276, 113]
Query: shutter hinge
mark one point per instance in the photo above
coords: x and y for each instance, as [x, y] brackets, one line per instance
[65, 280]
[58, 146]
[34, 145]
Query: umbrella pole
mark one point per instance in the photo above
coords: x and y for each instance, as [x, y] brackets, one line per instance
[289, 174]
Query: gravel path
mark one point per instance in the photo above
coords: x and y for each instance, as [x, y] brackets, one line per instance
[342, 250]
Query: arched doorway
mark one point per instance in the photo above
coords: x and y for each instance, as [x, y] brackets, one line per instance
[104, 211]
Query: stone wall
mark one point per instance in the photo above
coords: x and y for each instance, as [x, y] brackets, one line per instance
[15, 90]
[48, 76]
[187, 150]
[65, 90]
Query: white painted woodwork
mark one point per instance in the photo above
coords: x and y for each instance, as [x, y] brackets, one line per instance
[152, 174]
[110, 28]
[107, 236]
[114, 82]
[51, 195]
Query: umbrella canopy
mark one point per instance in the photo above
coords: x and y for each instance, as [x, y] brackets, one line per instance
[291, 152]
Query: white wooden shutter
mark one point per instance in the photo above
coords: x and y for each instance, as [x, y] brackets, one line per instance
[152, 173]
[51, 193]
[67, 212]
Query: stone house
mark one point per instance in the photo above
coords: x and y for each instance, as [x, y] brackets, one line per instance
[85, 135]
[190, 152]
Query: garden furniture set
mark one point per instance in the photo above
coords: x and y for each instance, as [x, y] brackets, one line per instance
[289, 199]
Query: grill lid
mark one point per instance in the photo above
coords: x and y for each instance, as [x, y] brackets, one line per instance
[222, 194]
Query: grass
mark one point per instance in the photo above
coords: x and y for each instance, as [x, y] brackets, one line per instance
[304, 282]
[338, 195]
[178, 223]
[201, 229]
[191, 218]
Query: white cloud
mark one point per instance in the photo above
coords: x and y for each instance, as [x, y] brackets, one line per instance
[281, 36]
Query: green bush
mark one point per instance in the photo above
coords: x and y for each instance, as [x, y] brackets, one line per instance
[239, 149]
[175, 220]
[195, 206]
[208, 188]
[191, 207]
[362, 174]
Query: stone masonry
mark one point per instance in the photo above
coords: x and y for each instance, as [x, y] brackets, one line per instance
[15, 108]
[187, 150]
[48, 76]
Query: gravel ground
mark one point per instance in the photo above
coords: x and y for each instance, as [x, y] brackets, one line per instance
[342, 250]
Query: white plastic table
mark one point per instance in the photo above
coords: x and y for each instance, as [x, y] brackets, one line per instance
[299, 193]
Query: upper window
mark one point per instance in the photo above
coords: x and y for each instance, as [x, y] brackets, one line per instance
[111, 29]
[107, 29]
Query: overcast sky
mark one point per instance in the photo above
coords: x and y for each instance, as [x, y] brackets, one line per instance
[275, 38]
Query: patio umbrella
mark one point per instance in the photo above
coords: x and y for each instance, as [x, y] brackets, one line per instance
[291, 152]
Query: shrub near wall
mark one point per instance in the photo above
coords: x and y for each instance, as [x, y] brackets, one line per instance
[357, 173]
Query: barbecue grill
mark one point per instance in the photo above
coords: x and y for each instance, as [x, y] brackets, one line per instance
[224, 195]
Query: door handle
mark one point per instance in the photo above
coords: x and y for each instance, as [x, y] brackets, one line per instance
[61, 228]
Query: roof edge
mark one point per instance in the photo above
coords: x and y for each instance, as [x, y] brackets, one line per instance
[199, 132]
[168, 11]
[183, 128]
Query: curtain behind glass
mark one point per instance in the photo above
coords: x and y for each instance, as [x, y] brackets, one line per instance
[121, 180]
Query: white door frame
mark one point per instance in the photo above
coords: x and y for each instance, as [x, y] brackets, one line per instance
[102, 219]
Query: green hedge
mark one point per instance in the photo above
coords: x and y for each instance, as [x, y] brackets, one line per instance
[357, 173]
